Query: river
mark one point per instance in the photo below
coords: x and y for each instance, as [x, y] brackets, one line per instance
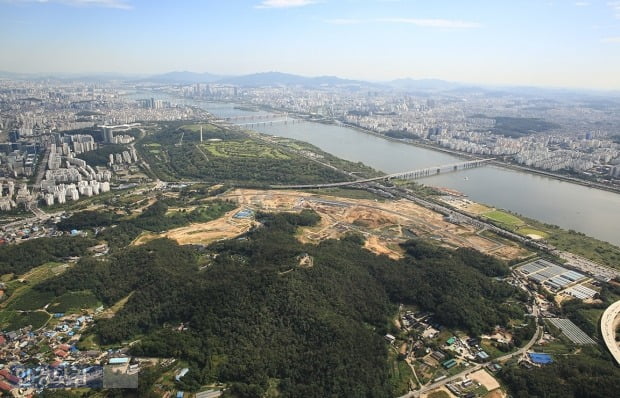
[570, 206]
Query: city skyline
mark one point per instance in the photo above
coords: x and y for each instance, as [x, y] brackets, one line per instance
[549, 44]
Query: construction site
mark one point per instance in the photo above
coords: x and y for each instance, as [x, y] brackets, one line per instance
[385, 224]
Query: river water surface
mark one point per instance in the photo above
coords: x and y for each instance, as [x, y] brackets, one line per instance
[570, 206]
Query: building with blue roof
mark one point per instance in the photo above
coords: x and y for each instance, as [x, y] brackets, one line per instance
[118, 361]
[540, 358]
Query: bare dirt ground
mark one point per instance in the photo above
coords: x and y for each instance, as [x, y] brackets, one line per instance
[467, 205]
[484, 378]
[225, 227]
[376, 246]
[426, 395]
[496, 394]
[384, 224]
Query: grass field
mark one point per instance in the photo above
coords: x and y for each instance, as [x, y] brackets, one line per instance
[22, 297]
[588, 247]
[11, 320]
[247, 149]
[569, 240]
[593, 315]
[31, 300]
[490, 349]
[206, 127]
[504, 218]
[72, 302]
[399, 374]
[555, 347]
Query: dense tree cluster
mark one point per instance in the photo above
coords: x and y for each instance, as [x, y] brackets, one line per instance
[101, 156]
[255, 317]
[20, 258]
[155, 218]
[87, 219]
[187, 161]
[521, 126]
[451, 285]
[586, 375]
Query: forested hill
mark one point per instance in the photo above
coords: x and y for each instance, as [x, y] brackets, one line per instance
[256, 317]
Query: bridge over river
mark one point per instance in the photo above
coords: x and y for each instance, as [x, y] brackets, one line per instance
[405, 175]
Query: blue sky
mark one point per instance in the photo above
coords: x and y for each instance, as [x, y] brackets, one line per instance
[513, 42]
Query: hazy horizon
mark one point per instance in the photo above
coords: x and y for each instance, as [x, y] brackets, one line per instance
[571, 44]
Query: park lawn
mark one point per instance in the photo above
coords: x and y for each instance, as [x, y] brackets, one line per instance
[243, 149]
[206, 127]
[504, 218]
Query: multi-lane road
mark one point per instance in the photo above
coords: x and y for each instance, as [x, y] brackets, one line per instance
[609, 323]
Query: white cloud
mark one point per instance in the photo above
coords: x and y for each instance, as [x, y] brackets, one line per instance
[120, 4]
[343, 21]
[284, 3]
[433, 23]
[615, 7]
[611, 39]
[582, 4]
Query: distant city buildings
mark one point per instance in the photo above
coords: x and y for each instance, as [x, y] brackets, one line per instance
[580, 139]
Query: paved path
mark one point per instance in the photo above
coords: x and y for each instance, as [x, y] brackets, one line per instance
[608, 329]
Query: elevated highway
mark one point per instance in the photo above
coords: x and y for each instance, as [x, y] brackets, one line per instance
[262, 123]
[239, 118]
[609, 322]
[404, 175]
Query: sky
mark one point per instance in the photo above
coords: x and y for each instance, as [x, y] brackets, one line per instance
[558, 43]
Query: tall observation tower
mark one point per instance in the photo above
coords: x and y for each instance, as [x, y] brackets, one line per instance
[200, 133]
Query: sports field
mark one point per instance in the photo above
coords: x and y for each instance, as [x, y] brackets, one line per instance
[504, 218]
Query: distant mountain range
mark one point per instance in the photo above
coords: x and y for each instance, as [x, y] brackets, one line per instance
[288, 79]
[183, 78]
[418, 86]
[424, 84]
[252, 80]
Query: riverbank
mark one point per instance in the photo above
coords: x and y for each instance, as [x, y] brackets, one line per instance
[571, 206]
[499, 163]
[464, 155]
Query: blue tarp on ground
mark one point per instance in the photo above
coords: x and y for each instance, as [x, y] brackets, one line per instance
[541, 359]
[245, 213]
